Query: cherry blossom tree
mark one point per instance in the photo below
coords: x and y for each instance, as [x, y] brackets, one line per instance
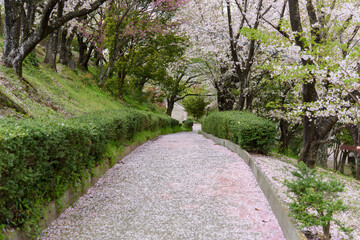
[221, 33]
[310, 47]
[27, 22]
[326, 36]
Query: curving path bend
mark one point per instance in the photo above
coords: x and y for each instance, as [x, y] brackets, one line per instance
[179, 186]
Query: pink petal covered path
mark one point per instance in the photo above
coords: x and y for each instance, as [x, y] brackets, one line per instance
[179, 186]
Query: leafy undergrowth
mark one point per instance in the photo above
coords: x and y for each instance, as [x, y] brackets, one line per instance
[279, 170]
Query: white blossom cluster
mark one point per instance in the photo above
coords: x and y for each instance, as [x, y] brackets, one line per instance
[335, 63]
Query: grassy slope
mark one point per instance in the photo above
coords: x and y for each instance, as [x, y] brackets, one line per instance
[63, 94]
[43, 92]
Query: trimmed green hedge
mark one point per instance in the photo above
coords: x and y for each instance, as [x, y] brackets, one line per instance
[252, 133]
[41, 158]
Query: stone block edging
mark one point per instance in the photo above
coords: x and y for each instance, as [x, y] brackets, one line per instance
[281, 212]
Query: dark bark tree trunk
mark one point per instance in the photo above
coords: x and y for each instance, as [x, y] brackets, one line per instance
[170, 105]
[51, 50]
[121, 78]
[322, 156]
[107, 73]
[225, 92]
[286, 134]
[65, 47]
[239, 78]
[27, 18]
[63, 51]
[117, 44]
[326, 230]
[142, 83]
[98, 57]
[355, 134]
[11, 31]
[225, 99]
[242, 67]
[357, 159]
[52, 47]
[336, 156]
[84, 64]
[308, 153]
[315, 129]
[249, 101]
[343, 156]
[1, 26]
[82, 48]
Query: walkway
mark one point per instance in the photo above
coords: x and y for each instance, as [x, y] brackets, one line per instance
[179, 186]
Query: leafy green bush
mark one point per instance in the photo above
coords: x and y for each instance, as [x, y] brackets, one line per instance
[188, 124]
[40, 158]
[251, 132]
[195, 106]
[315, 199]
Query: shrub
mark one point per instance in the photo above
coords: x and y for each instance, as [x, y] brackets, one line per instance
[251, 132]
[195, 106]
[315, 199]
[188, 124]
[40, 158]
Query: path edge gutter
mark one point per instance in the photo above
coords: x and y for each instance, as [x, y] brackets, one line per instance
[281, 212]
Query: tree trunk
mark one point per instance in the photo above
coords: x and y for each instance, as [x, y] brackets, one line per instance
[239, 78]
[170, 106]
[286, 134]
[52, 50]
[322, 156]
[84, 64]
[82, 48]
[315, 131]
[108, 72]
[336, 156]
[141, 84]
[225, 101]
[249, 101]
[27, 18]
[343, 157]
[65, 47]
[101, 70]
[357, 160]
[98, 57]
[225, 95]
[326, 230]
[121, 78]
[309, 148]
[11, 31]
[354, 131]
[1, 29]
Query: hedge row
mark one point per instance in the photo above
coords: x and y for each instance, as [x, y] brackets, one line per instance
[252, 133]
[41, 158]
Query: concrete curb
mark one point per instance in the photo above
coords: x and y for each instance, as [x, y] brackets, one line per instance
[286, 223]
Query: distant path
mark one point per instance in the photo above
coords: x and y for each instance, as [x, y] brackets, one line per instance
[179, 112]
[180, 186]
